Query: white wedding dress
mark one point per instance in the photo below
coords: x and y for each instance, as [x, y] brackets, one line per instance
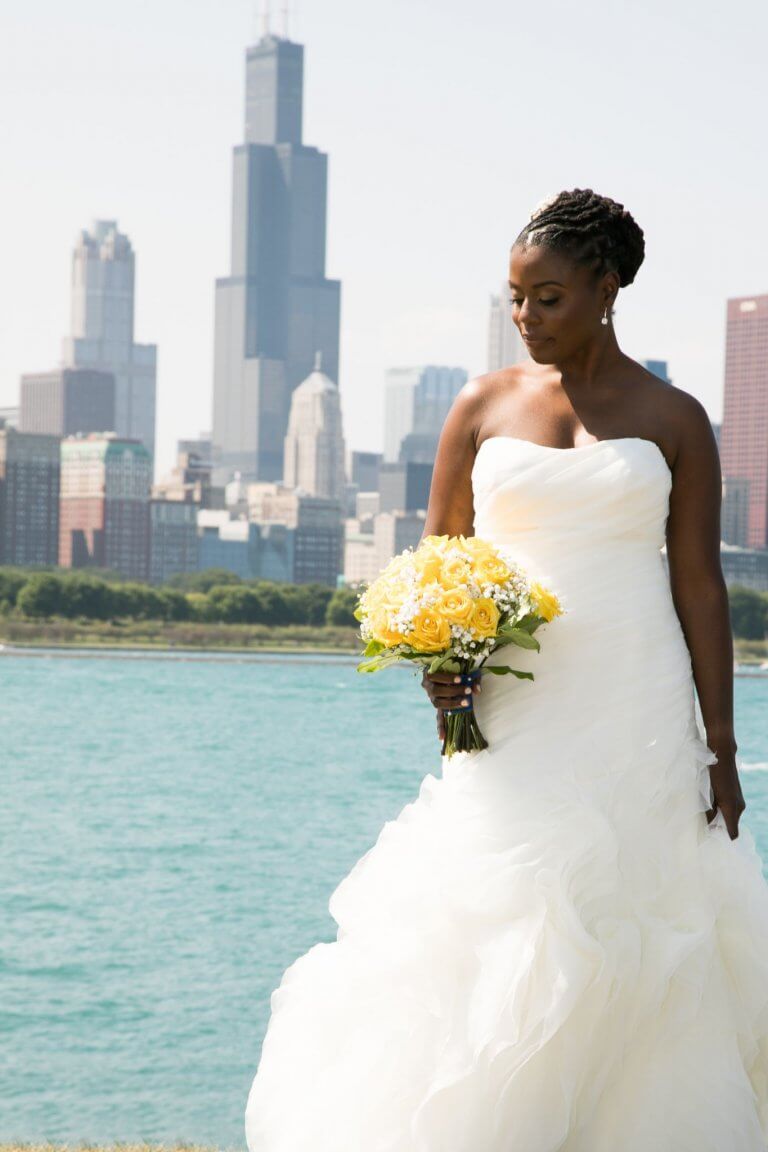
[549, 948]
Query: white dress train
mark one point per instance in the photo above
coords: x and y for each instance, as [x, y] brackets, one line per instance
[549, 948]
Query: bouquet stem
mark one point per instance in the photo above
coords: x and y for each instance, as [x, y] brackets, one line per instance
[462, 731]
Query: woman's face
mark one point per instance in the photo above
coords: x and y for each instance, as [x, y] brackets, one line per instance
[556, 305]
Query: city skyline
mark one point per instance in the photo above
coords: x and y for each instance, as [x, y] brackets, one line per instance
[417, 268]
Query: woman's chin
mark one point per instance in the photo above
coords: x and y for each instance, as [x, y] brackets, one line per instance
[543, 355]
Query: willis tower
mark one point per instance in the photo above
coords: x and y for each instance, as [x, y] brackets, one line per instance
[276, 310]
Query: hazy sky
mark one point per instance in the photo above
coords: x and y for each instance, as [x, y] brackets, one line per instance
[445, 124]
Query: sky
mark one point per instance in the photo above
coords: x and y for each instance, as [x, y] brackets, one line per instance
[445, 124]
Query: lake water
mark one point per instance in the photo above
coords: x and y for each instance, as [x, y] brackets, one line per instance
[170, 832]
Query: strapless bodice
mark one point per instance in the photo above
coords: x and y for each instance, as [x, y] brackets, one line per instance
[596, 496]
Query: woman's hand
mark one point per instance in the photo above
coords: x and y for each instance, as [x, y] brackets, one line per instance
[726, 786]
[446, 691]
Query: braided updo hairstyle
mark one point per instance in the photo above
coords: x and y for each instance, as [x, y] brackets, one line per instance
[592, 230]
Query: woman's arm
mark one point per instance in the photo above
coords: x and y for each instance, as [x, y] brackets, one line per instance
[451, 512]
[451, 508]
[701, 597]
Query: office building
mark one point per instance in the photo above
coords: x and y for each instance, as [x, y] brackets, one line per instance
[505, 345]
[317, 524]
[314, 444]
[394, 532]
[744, 433]
[104, 511]
[173, 539]
[67, 401]
[364, 470]
[277, 308]
[416, 403]
[404, 487]
[102, 335]
[189, 480]
[658, 368]
[29, 498]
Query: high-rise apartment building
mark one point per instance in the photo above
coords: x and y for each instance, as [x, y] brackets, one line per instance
[104, 517]
[29, 498]
[744, 432]
[277, 308]
[102, 336]
[67, 401]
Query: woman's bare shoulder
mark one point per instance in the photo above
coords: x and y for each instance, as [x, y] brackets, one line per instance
[481, 394]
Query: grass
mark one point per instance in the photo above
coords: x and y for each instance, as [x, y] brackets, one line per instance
[182, 634]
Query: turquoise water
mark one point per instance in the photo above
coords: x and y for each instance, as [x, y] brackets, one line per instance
[170, 832]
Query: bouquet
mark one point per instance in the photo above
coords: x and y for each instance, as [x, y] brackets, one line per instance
[447, 605]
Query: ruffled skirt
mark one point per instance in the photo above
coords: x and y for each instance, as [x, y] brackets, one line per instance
[529, 961]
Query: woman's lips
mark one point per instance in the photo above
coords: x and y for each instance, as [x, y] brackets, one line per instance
[536, 339]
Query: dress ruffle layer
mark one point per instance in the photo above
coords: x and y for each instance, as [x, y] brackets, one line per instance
[582, 978]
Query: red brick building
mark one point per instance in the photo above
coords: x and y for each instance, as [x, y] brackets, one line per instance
[104, 510]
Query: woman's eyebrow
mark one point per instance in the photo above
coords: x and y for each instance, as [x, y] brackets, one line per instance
[540, 284]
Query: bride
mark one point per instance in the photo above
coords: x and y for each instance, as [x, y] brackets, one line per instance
[562, 942]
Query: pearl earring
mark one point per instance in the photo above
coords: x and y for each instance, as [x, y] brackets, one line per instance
[605, 316]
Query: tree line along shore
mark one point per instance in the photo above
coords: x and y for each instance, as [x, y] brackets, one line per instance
[217, 609]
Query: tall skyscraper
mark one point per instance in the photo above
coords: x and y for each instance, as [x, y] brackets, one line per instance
[416, 403]
[276, 308]
[314, 444]
[505, 345]
[103, 284]
[744, 432]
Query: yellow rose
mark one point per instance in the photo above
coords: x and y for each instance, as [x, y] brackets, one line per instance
[454, 572]
[456, 605]
[438, 543]
[476, 547]
[429, 563]
[484, 618]
[431, 631]
[546, 603]
[491, 569]
[396, 565]
[378, 622]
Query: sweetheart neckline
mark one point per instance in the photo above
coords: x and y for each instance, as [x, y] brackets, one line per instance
[579, 447]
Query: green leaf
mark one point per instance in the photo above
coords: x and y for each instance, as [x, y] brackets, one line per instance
[383, 660]
[373, 647]
[518, 636]
[442, 660]
[524, 639]
[529, 623]
[503, 670]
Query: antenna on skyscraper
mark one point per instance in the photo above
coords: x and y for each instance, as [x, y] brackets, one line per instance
[261, 20]
[286, 12]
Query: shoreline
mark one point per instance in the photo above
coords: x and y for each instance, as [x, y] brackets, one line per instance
[748, 664]
[167, 639]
